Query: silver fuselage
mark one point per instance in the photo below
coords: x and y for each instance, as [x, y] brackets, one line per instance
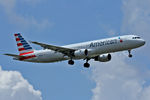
[97, 47]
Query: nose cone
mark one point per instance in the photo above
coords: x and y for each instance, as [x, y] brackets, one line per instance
[142, 42]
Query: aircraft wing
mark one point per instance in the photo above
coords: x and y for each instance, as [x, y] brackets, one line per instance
[67, 51]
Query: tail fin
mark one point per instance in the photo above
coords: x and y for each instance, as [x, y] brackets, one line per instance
[23, 47]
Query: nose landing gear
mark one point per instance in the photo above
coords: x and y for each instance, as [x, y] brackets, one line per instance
[130, 55]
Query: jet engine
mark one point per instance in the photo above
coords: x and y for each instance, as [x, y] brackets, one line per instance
[103, 58]
[81, 53]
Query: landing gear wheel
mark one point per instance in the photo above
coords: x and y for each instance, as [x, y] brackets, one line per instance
[130, 55]
[71, 62]
[86, 65]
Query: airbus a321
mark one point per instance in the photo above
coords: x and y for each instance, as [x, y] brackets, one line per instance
[99, 50]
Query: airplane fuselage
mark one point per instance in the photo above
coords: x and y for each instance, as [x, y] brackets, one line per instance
[95, 48]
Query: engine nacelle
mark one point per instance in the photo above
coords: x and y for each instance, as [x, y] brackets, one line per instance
[103, 58]
[81, 53]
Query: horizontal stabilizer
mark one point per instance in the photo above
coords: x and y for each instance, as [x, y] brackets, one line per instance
[13, 55]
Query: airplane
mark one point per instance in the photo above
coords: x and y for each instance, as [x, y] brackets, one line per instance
[99, 50]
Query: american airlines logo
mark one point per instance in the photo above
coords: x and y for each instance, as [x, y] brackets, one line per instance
[107, 42]
[120, 40]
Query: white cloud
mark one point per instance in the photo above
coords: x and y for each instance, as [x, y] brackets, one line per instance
[118, 80]
[21, 20]
[14, 87]
[136, 17]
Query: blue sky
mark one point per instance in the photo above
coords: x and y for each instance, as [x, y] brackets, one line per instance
[64, 22]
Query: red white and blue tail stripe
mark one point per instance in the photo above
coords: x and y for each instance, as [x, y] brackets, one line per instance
[23, 47]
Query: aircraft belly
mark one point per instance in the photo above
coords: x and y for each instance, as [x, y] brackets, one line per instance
[51, 57]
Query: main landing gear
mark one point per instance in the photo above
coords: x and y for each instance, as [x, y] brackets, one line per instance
[86, 65]
[71, 62]
[130, 55]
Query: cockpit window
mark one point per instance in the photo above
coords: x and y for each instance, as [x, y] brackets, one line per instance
[135, 37]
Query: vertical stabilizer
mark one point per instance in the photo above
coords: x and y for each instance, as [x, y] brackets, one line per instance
[23, 46]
